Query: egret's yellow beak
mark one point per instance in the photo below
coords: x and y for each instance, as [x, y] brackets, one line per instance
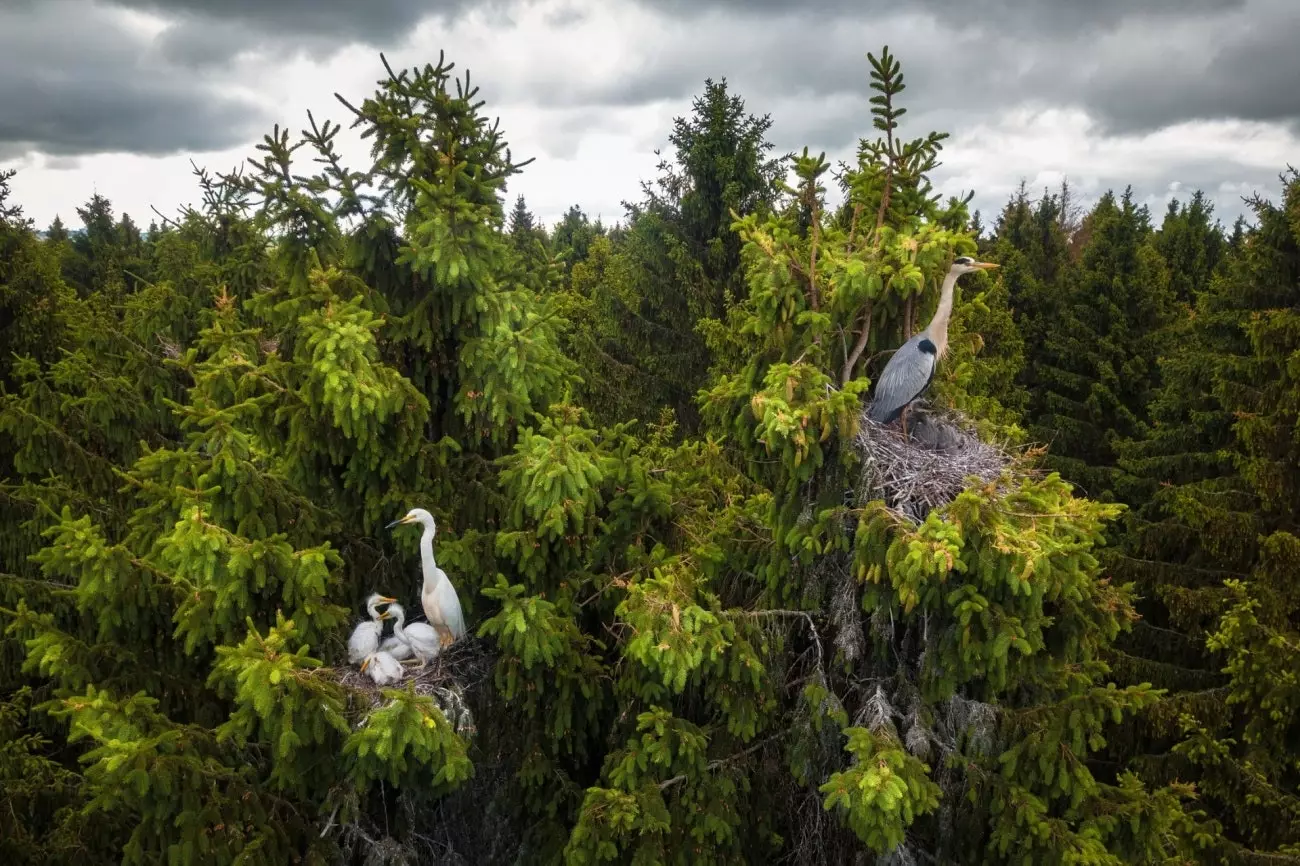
[986, 266]
[385, 615]
[386, 600]
[365, 664]
[398, 522]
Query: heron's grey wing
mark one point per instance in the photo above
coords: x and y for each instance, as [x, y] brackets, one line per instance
[904, 378]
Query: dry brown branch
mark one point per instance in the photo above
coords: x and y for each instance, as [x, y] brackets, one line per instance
[793, 614]
[722, 762]
[930, 467]
[858, 347]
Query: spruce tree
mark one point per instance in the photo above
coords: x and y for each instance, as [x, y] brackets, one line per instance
[699, 645]
[969, 713]
[1098, 366]
[11, 213]
[528, 237]
[1031, 244]
[57, 232]
[293, 439]
[573, 236]
[1213, 549]
[1191, 245]
[681, 258]
[33, 297]
[77, 410]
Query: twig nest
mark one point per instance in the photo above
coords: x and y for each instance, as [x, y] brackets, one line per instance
[929, 467]
[459, 669]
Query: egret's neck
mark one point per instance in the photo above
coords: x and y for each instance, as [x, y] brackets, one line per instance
[937, 330]
[426, 558]
[399, 623]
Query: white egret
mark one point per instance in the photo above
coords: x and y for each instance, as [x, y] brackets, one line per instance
[420, 638]
[437, 596]
[382, 667]
[365, 637]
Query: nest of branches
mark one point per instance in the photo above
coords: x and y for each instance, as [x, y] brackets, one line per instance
[459, 671]
[929, 466]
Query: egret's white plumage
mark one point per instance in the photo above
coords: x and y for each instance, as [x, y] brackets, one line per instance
[396, 647]
[365, 637]
[382, 667]
[421, 639]
[437, 595]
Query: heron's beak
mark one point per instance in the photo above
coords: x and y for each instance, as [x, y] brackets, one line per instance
[987, 266]
[385, 615]
[398, 522]
[365, 664]
[386, 600]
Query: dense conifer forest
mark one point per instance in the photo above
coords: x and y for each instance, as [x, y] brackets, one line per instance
[714, 615]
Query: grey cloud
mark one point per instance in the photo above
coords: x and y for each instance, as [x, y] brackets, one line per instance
[63, 163]
[75, 80]
[1248, 71]
[1042, 16]
[791, 71]
[340, 20]
[566, 16]
[562, 135]
[211, 32]
[1133, 72]
[1134, 69]
[1224, 186]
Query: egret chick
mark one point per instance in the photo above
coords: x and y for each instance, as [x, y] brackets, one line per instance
[382, 667]
[437, 595]
[396, 647]
[365, 637]
[422, 639]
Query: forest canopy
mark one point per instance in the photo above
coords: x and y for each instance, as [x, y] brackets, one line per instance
[713, 614]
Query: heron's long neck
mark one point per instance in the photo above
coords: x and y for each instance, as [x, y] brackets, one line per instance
[426, 559]
[399, 624]
[937, 330]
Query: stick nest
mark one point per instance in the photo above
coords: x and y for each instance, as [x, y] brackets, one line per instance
[929, 467]
[460, 669]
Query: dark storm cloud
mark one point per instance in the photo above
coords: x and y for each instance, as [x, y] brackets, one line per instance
[75, 79]
[1134, 67]
[1042, 16]
[211, 32]
[1248, 71]
[336, 20]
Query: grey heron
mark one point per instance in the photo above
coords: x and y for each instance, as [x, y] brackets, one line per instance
[365, 637]
[911, 369]
[437, 596]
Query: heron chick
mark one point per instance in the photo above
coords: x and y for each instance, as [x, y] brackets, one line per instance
[437, 595]
[911, 369]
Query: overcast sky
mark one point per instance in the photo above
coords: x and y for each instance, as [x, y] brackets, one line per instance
[117, 96]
